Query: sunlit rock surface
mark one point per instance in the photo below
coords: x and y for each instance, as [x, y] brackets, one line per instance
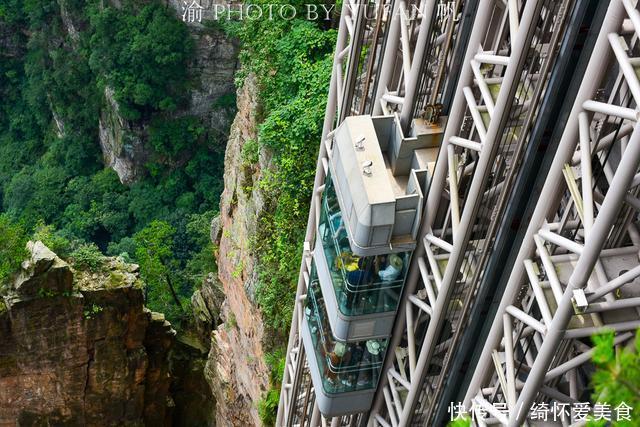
[79, 348]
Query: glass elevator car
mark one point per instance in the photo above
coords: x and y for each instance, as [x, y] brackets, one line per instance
[370, 210]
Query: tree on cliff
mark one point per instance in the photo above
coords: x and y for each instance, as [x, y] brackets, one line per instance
[292, 62]
[616, 381]
[12, 247]
[53, 180]
[141, 56]
[157, 265]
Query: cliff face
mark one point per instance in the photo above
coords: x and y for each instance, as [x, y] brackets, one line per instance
[79, 348]
[212, 69]
[236, 369]
[194, 399]
[121, 141]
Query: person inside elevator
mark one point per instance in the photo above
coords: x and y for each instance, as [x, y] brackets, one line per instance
[393, 269]
[337, 358]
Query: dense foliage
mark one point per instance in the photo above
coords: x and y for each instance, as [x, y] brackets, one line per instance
[292, 60]
[13, 241]
[53, 179]
[52, 95]
[616, 380]
[141, 57]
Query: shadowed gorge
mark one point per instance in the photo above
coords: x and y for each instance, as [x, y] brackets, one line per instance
[166, 166]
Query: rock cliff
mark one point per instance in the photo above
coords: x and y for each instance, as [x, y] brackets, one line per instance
[121, 141]
[79, 348]
[236, 369]
[212, 70]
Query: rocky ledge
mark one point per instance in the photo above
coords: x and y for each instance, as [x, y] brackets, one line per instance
[79, 348]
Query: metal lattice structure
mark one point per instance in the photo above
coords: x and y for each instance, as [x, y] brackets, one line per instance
[576, 267]
[502, 82]
[377, 85]
[486, 66]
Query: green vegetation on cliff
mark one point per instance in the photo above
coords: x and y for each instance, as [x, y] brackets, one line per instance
[141, 56]
[616, 380]
[53, 179]
[12, 247]
[292, 60]
[57, 59]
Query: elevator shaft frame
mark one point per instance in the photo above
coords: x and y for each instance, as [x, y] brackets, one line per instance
[388, 64]
[386, 80]
[559, 292]
[478, 160]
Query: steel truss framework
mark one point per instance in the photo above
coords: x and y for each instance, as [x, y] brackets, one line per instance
[502, 82]
[384, 64]
[407, 50]
[575, 267]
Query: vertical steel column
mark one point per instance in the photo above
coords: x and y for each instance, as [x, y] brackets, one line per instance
[435, 192]
[348, 88]
[461, 227]
[388, 59]
[295, 350]
[332, 102]
[411, 81]
[351, 36]
[401, 89]
[534, 323]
